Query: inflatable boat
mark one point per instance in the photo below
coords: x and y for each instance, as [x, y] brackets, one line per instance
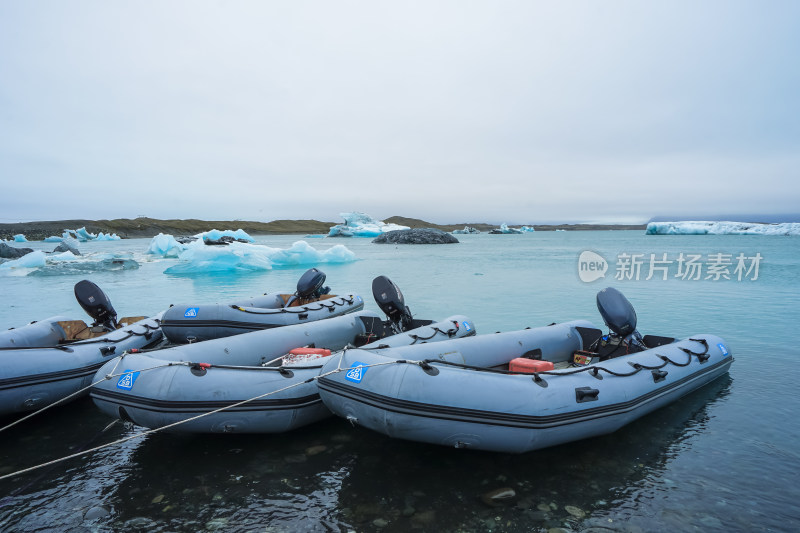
[522, 390]
[48, 360]
[191, 323]
[258, 382]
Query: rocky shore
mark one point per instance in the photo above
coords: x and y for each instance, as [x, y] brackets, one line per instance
[149, 227]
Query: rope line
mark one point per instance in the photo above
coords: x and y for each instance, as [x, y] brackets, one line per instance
[196, 417]
[304, 309]
[84, 389]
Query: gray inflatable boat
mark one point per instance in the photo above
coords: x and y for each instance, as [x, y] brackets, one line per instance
[522, 390]
[49, 360]
[251, 383]
[190, 323]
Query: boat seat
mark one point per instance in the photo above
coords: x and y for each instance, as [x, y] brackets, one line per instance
[305, 301]
[589, 336]
[77, 330]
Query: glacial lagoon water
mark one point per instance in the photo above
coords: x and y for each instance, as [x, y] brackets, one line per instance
[724, 458]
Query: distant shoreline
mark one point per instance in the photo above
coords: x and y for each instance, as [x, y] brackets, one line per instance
[149, 227]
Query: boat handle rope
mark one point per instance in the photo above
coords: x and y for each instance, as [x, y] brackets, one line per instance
[68, 347]
[425, 365]
[593, 370]
[436, 330]
[304, 309]
[338, 369]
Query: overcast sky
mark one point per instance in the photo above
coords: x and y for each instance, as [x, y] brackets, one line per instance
[523, 112]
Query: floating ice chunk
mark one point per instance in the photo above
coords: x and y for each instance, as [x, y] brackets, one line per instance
[215, 235]
[32, 260]
[54, 238]
[302, 253]
[242, 257]
[527, 229]
[466, 230]
[19, 237]
[505, 229]
[361, 225]
[698, 227]
[61, 256]
[165, 245]
[82, 235]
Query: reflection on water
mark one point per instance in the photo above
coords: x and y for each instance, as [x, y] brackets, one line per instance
[332, 477]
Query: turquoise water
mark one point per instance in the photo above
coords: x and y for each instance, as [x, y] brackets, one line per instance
[721, 459]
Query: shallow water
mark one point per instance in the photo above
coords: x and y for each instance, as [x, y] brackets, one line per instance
[721, 459]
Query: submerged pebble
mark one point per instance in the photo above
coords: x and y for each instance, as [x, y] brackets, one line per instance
[574, 511]
[98, 511]
[315, 450]
[496, 497]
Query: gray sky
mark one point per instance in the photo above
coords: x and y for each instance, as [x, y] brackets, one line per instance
[523, 112]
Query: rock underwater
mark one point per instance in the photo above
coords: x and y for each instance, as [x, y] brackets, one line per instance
[415, 236]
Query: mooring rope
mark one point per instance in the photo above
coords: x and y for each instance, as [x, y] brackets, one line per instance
[84, 389]
[196, 417]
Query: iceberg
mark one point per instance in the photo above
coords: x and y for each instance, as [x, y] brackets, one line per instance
[466, 230]
[527, 229]
[700, 227]
[32, 260]
[82, 235]
[19, 237]
[165, 245]
[361, 225]
[216, 235]
[54, 238]
[66, 263]
[242, 257]
[504, 229]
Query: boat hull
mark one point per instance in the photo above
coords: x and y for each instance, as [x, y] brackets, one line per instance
[466, 408]
[33, 378]
[234, 394]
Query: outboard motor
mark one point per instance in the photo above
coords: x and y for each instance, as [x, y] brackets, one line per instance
[96, 304]
[391, 301]
[619, 315]
[309, 286]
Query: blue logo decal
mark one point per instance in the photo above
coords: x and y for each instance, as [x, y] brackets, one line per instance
[126, 381]
[723, 349]
[356, 372]
[191, 312]
[467, 326]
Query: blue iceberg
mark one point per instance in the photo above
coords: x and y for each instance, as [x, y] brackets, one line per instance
[242, 257]
[19, 237]
[527, 229]
[165, 245]
[32, 260]
[504, 229]
[361, 225]
[701, 227]
[82, 235]
[54, 238]
[215, 235]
